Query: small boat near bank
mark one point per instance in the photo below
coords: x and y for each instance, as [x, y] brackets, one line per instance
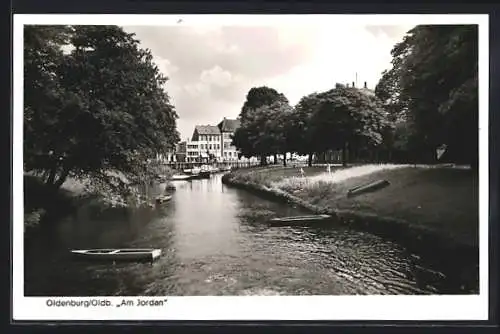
[114, 254]
[192, 171]
[180, 177]
[163, 199]
[299, 219]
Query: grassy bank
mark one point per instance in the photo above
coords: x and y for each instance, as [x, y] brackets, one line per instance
[436, 205]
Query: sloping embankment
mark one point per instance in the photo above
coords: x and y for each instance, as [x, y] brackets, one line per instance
[433, 208]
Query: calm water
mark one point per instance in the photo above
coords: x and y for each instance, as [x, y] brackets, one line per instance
[215, 241]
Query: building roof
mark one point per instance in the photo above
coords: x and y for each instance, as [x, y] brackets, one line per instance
[229, 125]
[207, 130]
[367, 91]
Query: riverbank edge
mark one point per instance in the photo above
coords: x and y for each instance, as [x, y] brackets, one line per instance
[402, 231]
[70, 196]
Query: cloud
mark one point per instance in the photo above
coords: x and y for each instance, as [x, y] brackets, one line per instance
[165, 66]
[211, 68]
[390, 31]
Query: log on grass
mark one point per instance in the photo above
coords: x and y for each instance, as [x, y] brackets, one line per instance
[373, 186]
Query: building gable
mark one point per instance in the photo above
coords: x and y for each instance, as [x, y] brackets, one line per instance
[228, 125]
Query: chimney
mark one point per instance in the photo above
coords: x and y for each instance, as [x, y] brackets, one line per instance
[365, 84]
[353, 84]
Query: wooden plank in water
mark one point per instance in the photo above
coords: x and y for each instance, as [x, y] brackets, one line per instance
[294, 219]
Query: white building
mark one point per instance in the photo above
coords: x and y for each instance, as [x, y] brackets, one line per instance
[192, 151]
[214, 143]
[208, 141]
[168, 156]
[227, 127]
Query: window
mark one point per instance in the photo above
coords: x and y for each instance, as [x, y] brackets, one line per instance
[226, 146]
[218, 146]
[209, 146]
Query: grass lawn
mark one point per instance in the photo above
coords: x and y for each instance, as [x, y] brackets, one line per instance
[442, 200]
[269, 175]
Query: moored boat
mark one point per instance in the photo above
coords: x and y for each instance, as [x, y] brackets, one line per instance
[117, 254]
[204, 174]
[299, 219]
[163, 199]
[179, 177]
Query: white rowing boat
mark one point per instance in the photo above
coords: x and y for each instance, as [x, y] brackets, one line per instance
[163, 199]
[123, 254]
[299, 219]
[180, 177]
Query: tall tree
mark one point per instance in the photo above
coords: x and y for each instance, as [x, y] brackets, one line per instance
[347, 117]
[434, 82]
[106, 107]
[257, 133]
[302, 128]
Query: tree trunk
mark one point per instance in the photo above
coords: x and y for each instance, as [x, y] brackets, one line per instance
[275, 158]
[344, 155]
[310, 159]
[284, 159]
[52, 177]
[61, 179]
[263, 160]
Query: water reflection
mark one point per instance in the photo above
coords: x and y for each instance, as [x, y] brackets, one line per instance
[215, 241]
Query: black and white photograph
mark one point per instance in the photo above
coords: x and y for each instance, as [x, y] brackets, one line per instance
[311, 166]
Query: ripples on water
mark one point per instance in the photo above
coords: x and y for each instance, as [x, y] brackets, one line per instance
[215, 241]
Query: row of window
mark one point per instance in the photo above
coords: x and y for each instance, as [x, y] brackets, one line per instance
[226, 135]
[209, 146]
[226, 154]
[209, 138]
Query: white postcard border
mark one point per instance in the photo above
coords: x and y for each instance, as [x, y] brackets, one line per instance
[469, 307]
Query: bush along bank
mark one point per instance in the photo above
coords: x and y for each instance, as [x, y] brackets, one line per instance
[431, 212]
[42, 204]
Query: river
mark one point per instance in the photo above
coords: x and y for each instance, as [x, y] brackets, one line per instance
[216, 241]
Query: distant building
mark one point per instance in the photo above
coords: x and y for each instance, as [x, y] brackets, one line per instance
[192, 151]
[367, 90]
[208, 139]
[181, 152]
[211, 143]
[167, 156]
[227, 128]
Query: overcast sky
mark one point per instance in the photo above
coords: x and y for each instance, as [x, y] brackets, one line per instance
[211, 68]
